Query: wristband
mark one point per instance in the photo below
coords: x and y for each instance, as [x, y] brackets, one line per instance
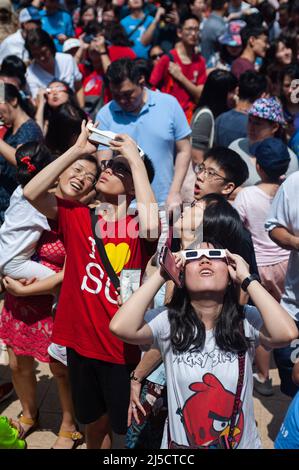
[134, 378]
[103, 53]
[248, 280]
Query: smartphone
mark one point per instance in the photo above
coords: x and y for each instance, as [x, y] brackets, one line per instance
[129, 283]
[101, 137]
[167, 261]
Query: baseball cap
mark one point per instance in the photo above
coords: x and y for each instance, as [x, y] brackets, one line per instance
[232, 37]
[70, 44]
[272, 155]
[6, 5]
[268, 108]
[28, 14]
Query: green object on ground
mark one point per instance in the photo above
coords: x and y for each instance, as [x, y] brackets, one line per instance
[9, 435]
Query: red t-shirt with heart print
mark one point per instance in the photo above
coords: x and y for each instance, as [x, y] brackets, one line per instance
[88, 299]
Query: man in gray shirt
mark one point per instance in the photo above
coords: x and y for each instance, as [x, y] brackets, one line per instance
[213, 27]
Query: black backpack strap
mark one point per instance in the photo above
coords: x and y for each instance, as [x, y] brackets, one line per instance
[102, 252]
[137, 26]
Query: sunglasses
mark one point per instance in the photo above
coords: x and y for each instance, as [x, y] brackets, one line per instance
[118, 168]
[157, 56]
[191, 255]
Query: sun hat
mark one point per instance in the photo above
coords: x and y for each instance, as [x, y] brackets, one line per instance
[232, 37]
[268, 108]
[70, 44]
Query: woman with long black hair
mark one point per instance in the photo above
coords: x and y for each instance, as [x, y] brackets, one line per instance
[14, 113]
[207, 343]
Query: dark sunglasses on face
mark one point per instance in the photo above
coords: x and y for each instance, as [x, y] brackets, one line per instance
[157, 56]
[118, 168]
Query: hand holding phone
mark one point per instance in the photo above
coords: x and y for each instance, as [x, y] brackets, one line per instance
[169, 264]
[101, 137]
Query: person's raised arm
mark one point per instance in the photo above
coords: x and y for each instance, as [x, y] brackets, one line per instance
[148, 34]
[148, 213]
[183, 156]
[128, 323]
[36, 191]
[279, 327]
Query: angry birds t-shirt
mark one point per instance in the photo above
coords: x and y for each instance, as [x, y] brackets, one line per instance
[201, 387]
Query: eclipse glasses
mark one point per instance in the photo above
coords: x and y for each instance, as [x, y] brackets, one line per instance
[191, 255]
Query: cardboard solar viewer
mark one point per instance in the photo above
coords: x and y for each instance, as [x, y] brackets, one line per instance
[101, 137]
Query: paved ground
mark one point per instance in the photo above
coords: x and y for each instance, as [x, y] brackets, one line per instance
[269, 412]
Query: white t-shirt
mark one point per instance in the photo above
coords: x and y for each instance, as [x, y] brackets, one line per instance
[14, 45]
[21, 229]
[202, 384]
[66, 69]
[253, 205]
[285, 213]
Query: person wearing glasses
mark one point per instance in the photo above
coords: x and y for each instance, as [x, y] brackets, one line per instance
[155, 54]
[207, 342]
[182, 72]
[99, 364]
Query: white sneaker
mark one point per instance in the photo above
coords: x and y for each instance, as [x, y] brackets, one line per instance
[58, 352]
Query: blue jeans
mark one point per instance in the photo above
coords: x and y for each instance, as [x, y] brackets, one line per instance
[284, 358]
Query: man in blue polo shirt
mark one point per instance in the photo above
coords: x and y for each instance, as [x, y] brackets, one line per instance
[153, 119]
[57, 23]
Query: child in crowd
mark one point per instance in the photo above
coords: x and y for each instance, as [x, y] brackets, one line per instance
[18, 244]
[253, 204]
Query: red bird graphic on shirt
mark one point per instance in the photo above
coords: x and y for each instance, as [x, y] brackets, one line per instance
[207, 414]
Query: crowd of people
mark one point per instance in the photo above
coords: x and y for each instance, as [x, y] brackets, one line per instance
[154, 268]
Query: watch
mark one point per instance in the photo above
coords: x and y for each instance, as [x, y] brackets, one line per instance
[248, 280]
[134, 378]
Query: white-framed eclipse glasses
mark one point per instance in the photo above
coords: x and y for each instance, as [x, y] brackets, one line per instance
[192, 255]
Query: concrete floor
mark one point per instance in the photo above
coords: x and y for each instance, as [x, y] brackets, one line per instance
[269, 411]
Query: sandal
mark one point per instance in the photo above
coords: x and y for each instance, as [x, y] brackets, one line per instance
[75, 436]
[28, 425]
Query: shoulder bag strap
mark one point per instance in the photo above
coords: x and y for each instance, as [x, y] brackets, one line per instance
[137, 26]
[102, 252]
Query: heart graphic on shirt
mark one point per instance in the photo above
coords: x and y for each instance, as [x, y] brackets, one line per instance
[118, 255]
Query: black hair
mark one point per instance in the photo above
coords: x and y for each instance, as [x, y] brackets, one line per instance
[83, 10]
[247, 32]
[222, 222]
[39, 38]
[218, 4]
[116, 34]
[187, 17]
[13, 66]
[11, 93]
[123, 69]
[216, 88]
[93, 28]
[146, 67]
[187, 331]
[31, 158]
[268, 11]
[230, 162]
[252, 85]
[64, 126]
[291, 71]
